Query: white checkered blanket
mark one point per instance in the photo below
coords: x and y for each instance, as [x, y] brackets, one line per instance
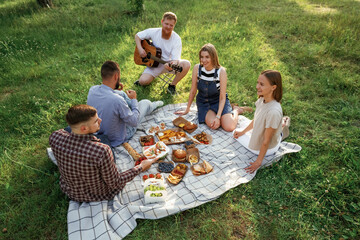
[116, 219]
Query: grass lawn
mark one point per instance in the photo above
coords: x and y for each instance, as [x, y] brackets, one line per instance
[49, 58]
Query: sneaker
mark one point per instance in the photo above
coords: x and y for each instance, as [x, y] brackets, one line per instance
[159, 104]
[172, 89]
[137, 83]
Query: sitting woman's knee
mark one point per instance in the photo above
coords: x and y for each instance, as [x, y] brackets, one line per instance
[209, 125]
[228, 127]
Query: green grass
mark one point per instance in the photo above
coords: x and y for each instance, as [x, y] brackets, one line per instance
[50, 57]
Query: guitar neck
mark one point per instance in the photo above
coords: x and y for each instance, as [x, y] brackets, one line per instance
[177, 68]
[157, 59]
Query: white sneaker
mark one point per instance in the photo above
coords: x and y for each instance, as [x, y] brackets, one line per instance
[159, 104]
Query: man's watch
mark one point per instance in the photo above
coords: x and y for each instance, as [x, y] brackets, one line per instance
[218, 117]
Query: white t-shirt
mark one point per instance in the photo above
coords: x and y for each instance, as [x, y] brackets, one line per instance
[171, 48]
[267, 115]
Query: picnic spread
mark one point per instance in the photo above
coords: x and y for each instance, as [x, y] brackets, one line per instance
[197, 165]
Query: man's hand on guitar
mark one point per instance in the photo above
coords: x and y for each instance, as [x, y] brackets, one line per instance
[167, 66]
[131, 94]
[142, 52]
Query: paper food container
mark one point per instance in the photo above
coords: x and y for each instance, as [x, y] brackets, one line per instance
[154, 191]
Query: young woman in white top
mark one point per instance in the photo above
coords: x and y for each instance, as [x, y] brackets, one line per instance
[266, 134]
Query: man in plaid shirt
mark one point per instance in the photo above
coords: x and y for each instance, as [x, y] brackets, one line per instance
[87, 169]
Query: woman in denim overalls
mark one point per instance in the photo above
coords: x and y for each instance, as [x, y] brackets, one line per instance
[209, 79]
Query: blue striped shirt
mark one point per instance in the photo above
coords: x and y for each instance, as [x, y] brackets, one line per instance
[114, 112]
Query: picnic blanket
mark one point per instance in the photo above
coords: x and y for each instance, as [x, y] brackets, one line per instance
[117, 218]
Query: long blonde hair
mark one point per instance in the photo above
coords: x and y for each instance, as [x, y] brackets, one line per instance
[212, 52]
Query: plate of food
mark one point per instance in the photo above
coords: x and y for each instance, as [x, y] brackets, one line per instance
[203, 138]
[179, 155]
[189, 144]
[192, 155]
[153, 129]
[172, 136]
[201, 168]
[147, 140]
[185, 124]
[152, 176]
[156, 151]
[177, 174]
[165, 166]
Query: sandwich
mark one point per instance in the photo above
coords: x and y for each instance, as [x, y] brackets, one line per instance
[208, 168]
[202, 168]
[179, 155]
[190, 127]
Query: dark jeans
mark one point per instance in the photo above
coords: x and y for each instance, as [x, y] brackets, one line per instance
[103, 139]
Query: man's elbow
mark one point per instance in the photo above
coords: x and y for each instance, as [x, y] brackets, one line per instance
[133, 122]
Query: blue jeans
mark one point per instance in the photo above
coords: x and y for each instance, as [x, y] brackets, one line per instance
[208, 99]
[145, 108]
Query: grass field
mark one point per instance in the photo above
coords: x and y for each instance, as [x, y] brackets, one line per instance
[50, 57]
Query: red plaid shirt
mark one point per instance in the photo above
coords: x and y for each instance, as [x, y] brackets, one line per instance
[87, 169]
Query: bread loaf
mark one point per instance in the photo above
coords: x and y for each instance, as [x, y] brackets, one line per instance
[133, 153]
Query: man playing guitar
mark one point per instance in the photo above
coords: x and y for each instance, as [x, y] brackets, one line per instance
[170, 44]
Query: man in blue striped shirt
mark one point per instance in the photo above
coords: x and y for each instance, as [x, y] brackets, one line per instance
[119, 117]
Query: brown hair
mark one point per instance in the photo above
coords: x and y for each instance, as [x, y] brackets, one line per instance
[80, 113]
[212, 52]
[274, 78]
[170, 16]
[109, 68]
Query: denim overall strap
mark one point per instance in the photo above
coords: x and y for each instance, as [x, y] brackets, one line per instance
[216, 73]
[199, 73]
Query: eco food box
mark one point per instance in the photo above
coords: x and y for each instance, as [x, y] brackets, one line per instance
[154, 191]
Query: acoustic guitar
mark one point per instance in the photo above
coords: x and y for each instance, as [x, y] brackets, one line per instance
[153, 56]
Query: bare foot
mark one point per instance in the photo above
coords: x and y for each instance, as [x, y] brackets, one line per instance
[238, 110]
[241, 110]
[285, 127]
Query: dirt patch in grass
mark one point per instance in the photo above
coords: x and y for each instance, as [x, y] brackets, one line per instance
[5, 94]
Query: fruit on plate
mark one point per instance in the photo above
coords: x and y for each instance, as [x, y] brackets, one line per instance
[153, 188]
[142, 158]
[189, 144]
[156, 195]
[145, 177]
[158, 176]
[165, 167]
[151, 175]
